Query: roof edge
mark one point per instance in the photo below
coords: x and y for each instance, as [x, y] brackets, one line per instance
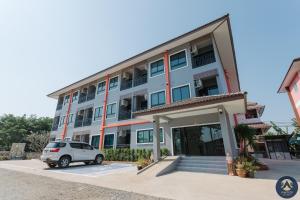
[281, 85]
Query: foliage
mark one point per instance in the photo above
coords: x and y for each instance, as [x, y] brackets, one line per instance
[278, 130]
[245, 135]
[15, 129]
[37, 142]
[132, 155]
[143, 162]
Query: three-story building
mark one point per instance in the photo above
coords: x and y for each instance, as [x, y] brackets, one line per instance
[182, 95]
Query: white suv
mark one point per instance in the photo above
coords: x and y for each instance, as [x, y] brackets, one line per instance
[62, 153]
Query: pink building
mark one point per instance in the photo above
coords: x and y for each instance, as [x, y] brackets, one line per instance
[291, 85]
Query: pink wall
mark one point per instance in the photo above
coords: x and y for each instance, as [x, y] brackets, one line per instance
[294, 90]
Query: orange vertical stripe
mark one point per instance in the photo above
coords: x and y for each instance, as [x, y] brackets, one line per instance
[102, 128]
[167, 75]
[63, 135]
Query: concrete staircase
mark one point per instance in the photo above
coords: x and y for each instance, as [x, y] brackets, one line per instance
[208, 164]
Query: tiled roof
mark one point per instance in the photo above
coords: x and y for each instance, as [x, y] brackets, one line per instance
[195, 101]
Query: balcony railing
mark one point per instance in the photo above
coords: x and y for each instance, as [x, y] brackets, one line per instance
[59, 106]
[124, 114]
[87, 121]
[203, 59]
[140, 80]
[82, 98]
[125, 84]
[91, 96]
[78, 123]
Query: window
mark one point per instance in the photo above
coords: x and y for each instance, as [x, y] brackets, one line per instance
[87, 147]
[70, 120]
[111, 110]
[55, 144]
[101, 87]
[206, 87]
[203, 56]
[146, 136]
[95, 141]
[113, 83]
[66, 99]
[62, 120]
[295, 87]
[157, 68]
[109, 141]
[178, 60]
[181, 93]
[158, 99]
[75, 145]
[75, 96]
[98, 112]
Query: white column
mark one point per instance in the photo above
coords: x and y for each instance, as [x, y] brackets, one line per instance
[227, 133]
[156, 139]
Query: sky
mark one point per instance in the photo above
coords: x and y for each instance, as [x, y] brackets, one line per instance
[46, 45]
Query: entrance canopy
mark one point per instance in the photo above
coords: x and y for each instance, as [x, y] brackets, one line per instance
[232, 103]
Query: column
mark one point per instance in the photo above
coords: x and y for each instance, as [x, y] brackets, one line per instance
[156, 139]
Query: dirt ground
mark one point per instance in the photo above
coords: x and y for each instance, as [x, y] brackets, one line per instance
[22, 186]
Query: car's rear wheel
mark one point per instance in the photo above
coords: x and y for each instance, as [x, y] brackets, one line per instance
[64, 162]
[98, 160]
[51, 165]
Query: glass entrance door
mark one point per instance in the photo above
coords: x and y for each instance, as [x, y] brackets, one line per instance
[203, 140]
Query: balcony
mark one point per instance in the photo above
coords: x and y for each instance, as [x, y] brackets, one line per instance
[59, 106]
[90, 96]
[82, 98]
[124, 114]
[126, 84]
[78, 123]
[203, 56]
[125, 109]
[140, 80]
[87, 122]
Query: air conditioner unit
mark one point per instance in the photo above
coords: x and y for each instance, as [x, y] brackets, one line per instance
[124, 102]
[126, 75]
[194, 50]
[198, 83]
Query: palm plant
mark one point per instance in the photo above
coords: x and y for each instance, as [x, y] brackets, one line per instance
[245, 135]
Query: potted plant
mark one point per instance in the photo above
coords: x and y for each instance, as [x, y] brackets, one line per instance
[250, 168]
[141, 163]
[240, 169]
[245, 135]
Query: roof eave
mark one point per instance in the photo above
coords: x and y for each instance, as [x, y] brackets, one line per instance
[284, 84]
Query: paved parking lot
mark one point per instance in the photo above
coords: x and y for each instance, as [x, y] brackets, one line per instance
[177, 185]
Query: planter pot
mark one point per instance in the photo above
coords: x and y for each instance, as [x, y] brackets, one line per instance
[241, 173]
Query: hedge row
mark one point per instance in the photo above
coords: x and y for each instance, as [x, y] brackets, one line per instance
[133, 155]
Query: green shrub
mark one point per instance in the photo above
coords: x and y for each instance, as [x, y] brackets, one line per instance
[164, 152]
[126, 154]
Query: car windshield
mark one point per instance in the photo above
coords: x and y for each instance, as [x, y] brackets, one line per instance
[55, 145]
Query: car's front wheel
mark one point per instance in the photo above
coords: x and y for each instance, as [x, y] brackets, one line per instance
[51, 165]
[64, 162]
[98, 160]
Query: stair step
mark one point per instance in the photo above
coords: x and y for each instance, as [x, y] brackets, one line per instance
[206, 165]
[202, 169]
[204, 161]
[214, 158]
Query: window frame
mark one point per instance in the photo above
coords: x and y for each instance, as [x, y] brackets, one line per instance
[109, 88]
[115, 115]
[102, 91]
[149, 129]
[99, 118]
[189, 85]
[114, 141]
[66, 99]
[71, 115]
[149, 65]
[186, 60]
[155, 93]
[76, 96]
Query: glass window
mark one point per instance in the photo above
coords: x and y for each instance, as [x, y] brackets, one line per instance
[146, 136]
[178, 60]
[181, 93]
[157, 68]
[70, 120]
[87, 147]
[206, 87]
[55, 144]
[66, 99]
[98, 113]
[109, 141]
[101, 87]
[158, 99]
[95, 141]
[75, 145]
[113, 83]
[62, 120]
[75, 96]
[111, 110]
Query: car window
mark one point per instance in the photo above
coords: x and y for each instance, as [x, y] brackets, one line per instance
[86, 146]
[75, 145]
[56, 145]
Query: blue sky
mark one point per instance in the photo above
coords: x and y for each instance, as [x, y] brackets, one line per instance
[45, 45]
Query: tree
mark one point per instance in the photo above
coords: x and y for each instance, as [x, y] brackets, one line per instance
[245, 135]
[17, 128]
[37, 142]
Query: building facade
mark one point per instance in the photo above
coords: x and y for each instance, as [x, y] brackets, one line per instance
[290, 85]
[183, 95]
